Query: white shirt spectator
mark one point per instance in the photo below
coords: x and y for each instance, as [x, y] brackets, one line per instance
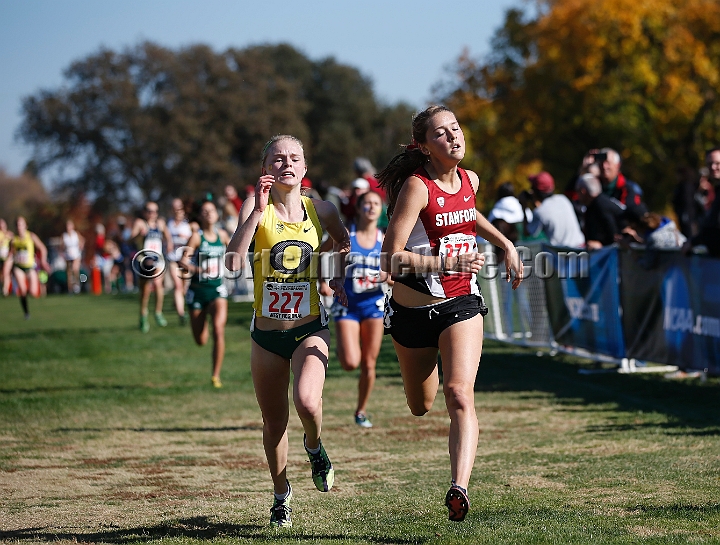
[556, 218]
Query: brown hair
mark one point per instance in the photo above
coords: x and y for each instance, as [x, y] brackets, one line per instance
[393, 176]
[361, 198]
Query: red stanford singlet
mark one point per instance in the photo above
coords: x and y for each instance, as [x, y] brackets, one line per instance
[446, 226]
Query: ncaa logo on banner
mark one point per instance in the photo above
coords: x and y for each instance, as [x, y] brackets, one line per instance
[679, 318]
[677, 311]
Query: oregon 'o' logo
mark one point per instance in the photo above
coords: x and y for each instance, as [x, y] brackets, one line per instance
[291, 256]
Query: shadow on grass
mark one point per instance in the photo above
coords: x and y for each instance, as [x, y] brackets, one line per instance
[692, 407]
[53, 389]
[199, 528]
[681, 511]
[60, 332]
[163, 430]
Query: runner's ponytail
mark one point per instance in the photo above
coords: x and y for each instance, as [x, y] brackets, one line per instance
[400, 167]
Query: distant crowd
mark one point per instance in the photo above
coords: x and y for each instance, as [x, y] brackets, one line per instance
[601, 206]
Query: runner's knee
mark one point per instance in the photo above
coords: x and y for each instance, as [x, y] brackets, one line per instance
[308, 408]
[459, 397]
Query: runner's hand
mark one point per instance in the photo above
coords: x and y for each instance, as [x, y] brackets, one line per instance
[339, 288]
[467, 263]
[513, 263]
[262, 191]
[325, 290]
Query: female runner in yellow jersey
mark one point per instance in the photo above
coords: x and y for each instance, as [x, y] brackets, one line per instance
[289, 328]
[5, 238]
[22, 261]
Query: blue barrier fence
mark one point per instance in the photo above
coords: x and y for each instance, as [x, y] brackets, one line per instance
[656, 306]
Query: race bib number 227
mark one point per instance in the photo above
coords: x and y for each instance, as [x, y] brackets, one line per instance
[286, 301]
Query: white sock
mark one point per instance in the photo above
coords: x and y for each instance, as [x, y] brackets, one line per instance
[312, 450]
[282, 497]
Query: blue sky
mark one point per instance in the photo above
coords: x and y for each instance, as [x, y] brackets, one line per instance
[403, 46]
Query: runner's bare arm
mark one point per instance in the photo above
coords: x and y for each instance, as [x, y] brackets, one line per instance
[331, 222]
[169, 245]
[413, 198]
[250, 214]
[43, 250]
[185, 260]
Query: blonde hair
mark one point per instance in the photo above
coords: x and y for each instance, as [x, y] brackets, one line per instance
[278, 138]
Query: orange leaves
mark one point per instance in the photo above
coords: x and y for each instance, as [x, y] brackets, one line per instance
[639, 75]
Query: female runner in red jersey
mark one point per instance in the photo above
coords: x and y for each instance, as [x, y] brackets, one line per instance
[431, 250]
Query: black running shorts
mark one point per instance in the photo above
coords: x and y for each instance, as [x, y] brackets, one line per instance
[420, 327]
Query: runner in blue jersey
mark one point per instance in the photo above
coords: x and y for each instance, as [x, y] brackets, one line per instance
[154, 239]
[360, 326]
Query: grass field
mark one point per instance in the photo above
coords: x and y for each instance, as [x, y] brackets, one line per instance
[108, 435]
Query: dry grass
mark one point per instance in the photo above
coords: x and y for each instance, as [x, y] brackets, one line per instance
[132, 445]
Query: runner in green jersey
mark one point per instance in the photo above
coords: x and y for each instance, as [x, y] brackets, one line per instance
[203, 258]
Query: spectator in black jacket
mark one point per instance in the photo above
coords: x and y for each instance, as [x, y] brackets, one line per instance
[615, 184]
[709, 235]
[604, 216]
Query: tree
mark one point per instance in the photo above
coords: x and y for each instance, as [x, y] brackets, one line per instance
[21, 196]
[641, 77]
[153, 123]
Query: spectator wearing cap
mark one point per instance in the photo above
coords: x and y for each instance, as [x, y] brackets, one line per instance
[357, 188]
[553, 214]
[604, 217]
[365, 169]
[507, 216]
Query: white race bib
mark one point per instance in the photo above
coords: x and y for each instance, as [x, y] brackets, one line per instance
[457, 244]
[211, 269]
[153, 244]
[4, 252]
[286, 301]
[22, 257]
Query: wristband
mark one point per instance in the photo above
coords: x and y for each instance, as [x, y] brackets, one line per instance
[442, 263]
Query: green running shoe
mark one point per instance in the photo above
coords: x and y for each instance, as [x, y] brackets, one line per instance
[144, 323]
[160, 319]
[323, 474]
[280, 511]
[362, 420]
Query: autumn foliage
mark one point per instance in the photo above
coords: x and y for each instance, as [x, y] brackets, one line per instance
[641, 76]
